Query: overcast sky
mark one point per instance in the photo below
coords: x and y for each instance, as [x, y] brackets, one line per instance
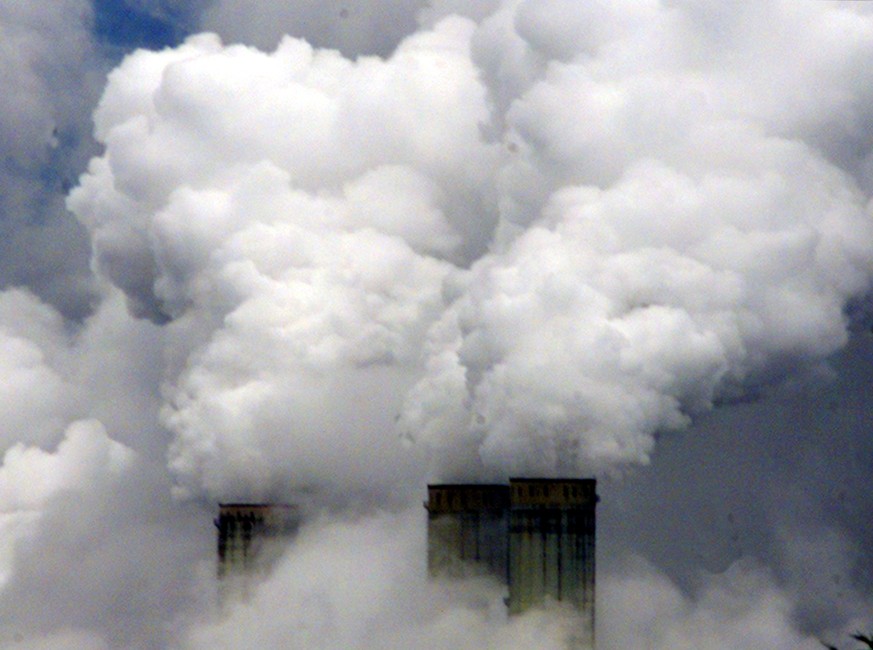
[328, 252]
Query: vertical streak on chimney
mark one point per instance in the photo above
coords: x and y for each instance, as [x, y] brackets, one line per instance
[467, 530]
[537, 535]
[552, 547]
[250, 537]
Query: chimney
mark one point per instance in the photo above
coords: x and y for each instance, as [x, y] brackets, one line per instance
[251, 536]
[535, 534]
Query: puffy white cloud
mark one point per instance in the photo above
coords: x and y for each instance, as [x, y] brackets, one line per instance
[298, 233]
[55, 373]
[323, 121]
[661, 245]
[303, 218]
[625, 309]
[93, 550]
[36, 394]
[30, 476]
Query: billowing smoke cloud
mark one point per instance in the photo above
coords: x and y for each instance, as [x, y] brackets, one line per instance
[36, 393]
[300, 252]
[94, 553]
[673, 242]
[605, 231]
[623, 310]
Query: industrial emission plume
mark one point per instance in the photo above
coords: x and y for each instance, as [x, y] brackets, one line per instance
[538, 246]
[327, 254]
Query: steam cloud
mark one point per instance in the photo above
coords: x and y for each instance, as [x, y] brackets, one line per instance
[479, 239]
[584, 236]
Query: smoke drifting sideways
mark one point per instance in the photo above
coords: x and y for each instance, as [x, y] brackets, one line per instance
[529, 240]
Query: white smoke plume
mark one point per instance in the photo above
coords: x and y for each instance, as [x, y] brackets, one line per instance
[300, 253]
[603, 230]
[441, 240]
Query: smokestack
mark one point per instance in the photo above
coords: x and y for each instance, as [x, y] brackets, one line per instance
[466, 531]
[250, 539]
[536, 534]
[551, 546]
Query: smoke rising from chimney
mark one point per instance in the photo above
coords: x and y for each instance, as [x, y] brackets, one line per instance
[537, 249]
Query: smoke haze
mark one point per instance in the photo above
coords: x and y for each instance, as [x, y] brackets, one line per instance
[329, 254]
